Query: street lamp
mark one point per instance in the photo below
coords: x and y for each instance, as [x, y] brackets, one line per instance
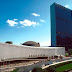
[3, 61]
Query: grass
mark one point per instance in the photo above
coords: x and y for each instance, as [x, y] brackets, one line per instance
[64, 67]
[15, 70]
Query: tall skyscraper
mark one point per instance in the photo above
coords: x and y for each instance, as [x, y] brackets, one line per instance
[61, 26]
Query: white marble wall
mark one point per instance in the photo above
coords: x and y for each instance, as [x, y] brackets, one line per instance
[14, 51]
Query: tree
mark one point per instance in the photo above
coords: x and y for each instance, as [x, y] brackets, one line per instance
[37, 69]
[70, 51]
[51, 69]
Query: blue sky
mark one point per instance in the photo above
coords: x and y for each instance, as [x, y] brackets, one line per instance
[27, 20]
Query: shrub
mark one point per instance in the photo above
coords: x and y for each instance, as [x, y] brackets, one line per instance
[15, 70]
[51, 69]
[70, 51]
[66, 55]
[44, 70]
[37, 69]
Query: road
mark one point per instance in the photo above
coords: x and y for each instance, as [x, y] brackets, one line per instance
[27, 68]
[30, 67]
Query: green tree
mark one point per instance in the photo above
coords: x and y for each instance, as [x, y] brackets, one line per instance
[51, 69]
[37, 69]
[70, 51]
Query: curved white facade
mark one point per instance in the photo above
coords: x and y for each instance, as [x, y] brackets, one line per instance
[15, 51]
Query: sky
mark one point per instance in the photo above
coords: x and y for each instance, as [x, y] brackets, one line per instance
[27, 20]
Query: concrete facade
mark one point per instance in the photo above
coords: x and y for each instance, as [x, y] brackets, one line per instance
[15, 51]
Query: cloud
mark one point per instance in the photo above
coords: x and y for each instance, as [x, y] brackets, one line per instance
[15, 19]
[11, 22]
[34, 14]
[20, 27]
[41, 20]
[67, 6]
[28, 23]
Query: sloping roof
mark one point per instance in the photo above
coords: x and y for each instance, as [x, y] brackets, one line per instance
[31, 43]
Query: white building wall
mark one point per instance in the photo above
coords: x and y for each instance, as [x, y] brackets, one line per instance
[60, 51]
[14, 51]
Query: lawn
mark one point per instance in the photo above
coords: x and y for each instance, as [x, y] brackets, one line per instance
[64, 67]
[15, 70]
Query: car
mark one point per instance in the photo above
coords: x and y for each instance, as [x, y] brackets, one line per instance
[46, 64]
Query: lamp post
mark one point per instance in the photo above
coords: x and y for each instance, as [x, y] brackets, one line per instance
[3, 61]
[0, 65]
